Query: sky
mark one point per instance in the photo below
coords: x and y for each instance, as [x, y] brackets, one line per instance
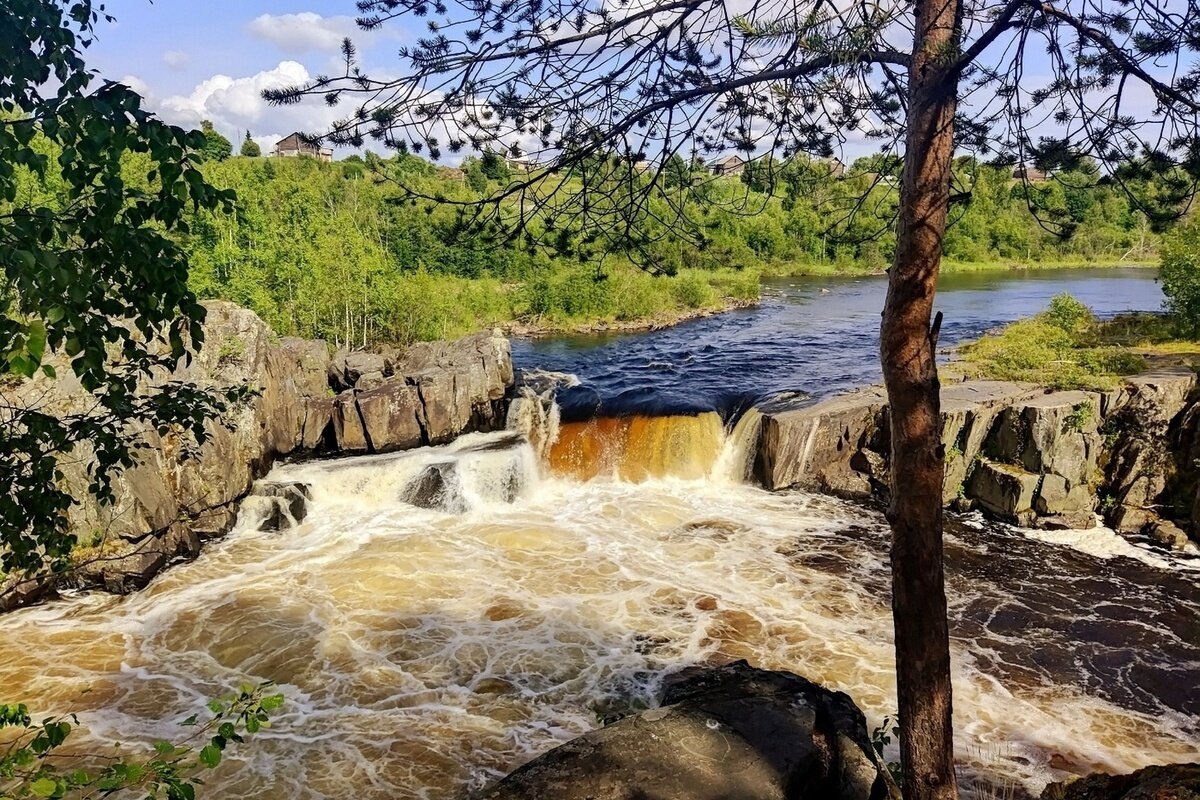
[211, 59]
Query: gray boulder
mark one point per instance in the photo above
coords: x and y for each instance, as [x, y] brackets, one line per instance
[435, 487]
[1140, 458]
[721, 733]
[1005, 491]
[347, 368]
[814, 447]
[287, 506]
[392, 416]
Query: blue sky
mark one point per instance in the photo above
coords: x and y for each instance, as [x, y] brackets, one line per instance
[211, 59]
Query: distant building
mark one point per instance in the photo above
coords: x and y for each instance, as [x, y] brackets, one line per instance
[451, 173]
[836, 168]
[520, 163]
[296, 145]
[1031, 174]
[727, 165]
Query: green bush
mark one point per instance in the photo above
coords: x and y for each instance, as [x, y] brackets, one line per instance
[1180, 276]
[693, 291]
[1064, 347]
[1025, 345]
[636, 294]
[1069, 314]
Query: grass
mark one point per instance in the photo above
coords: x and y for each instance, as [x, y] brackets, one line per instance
[1066, 347]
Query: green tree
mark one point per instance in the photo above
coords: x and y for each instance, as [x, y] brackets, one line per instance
[91, 268]
[494, 167]
[476, 179]
[676, 172]
[216, 147]
[1180, 276]
[250, 148]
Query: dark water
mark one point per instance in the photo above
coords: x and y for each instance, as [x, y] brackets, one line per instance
[817, 336]
[1113, 620]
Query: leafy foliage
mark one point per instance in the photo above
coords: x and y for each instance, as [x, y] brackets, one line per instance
[38, 762]
[216, 147]
[336, 251]
[93, 191]
[250, 148]
[882, 737]
[1180, 275]
[321, 251]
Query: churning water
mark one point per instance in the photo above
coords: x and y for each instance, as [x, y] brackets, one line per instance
[426, 652]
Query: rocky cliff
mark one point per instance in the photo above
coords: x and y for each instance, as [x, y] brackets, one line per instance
[1020, 453]
[180, 494]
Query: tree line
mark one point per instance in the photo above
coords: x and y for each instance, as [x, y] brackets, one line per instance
[341, 250]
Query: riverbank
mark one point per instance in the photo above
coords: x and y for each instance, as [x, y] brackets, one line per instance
[658, 321]
[181, 494]
[951, 267]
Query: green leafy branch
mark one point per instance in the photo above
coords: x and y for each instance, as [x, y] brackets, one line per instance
[36, 765]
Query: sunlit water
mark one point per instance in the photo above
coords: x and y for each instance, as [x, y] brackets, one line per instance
[815, 336]
[424, 654]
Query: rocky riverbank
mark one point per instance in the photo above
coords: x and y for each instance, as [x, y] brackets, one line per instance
[307, 402]
[1018, 452]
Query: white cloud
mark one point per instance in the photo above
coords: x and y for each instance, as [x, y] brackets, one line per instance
[176, 59]
[297, 34]
[139, 86]
[235, 105]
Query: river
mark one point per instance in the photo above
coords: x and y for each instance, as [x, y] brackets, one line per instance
[424, 653]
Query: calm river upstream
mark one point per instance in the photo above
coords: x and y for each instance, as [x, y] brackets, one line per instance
[812, 335]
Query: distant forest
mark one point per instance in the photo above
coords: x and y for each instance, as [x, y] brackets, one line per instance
[331, 250]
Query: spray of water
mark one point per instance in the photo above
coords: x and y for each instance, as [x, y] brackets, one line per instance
[424, 652]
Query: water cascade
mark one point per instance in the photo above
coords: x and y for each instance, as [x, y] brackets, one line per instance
[439, 616]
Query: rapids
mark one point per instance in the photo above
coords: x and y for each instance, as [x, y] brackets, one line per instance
[426, 653]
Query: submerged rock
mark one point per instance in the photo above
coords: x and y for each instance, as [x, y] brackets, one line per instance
[721, 733]
[436, 488]
[1167, 782]
[288, 504]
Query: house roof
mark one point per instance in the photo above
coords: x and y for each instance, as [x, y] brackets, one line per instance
[726, 160]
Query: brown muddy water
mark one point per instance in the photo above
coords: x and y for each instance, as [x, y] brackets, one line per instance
[424, 653]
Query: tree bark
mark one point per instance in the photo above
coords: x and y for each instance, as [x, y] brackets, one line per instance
[908, 346]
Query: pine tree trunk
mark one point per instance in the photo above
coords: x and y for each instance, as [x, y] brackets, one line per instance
[908, 353]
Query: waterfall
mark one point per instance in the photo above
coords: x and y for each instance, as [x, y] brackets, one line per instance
[639, 448]
[632, 448]
[475, 471]
[736, 461]
[534, 412]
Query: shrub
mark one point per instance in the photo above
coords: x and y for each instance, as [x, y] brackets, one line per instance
[1064, 347]
[1069, 314]
[693, 291]
[636, 294]
[1180, 276]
